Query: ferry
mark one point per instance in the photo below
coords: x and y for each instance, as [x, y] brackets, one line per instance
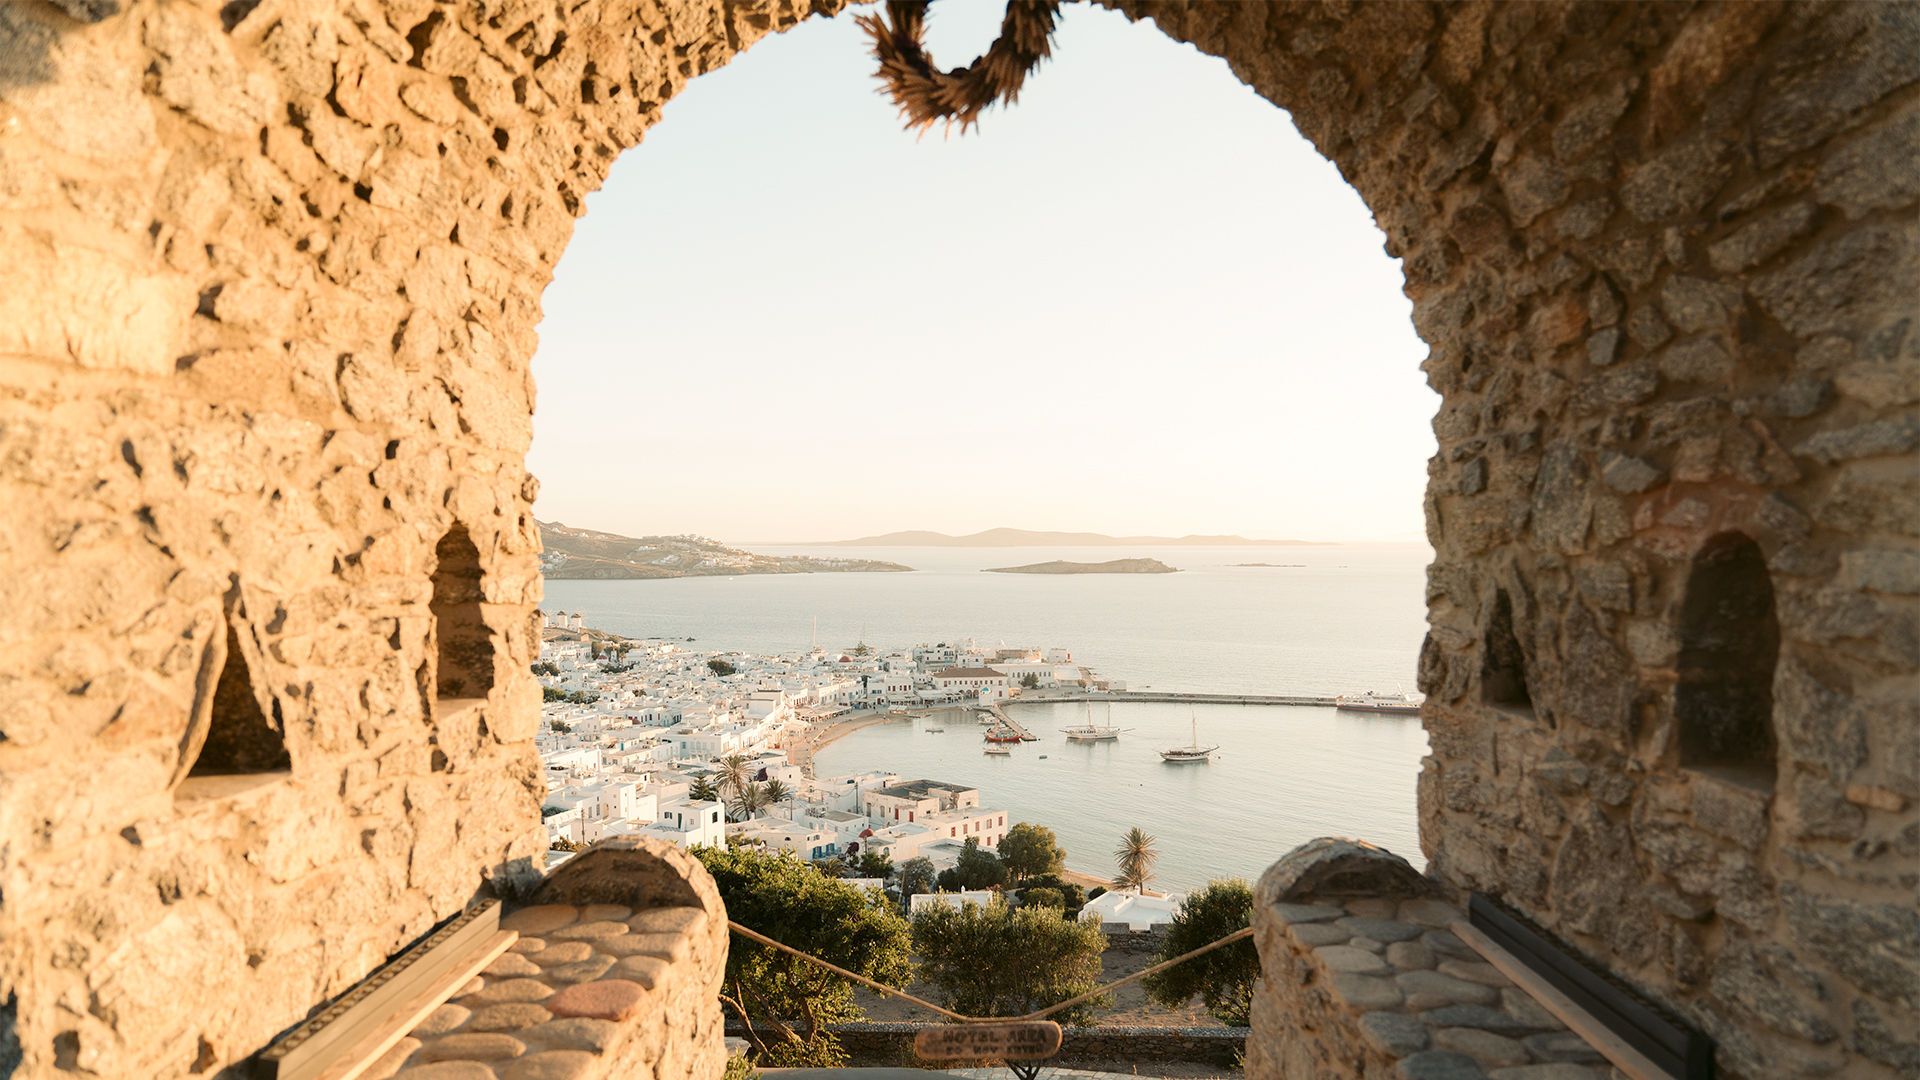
[1002, 735]
[1399, 704]
[1191, 752]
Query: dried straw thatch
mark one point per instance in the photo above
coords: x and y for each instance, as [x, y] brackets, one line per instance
[926, 94]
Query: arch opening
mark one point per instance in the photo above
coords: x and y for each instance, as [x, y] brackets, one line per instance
[1503, 664]
[242, 739]
[463, 645]
[1729, 644]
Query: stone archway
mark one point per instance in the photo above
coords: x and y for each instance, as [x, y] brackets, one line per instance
[270, 311]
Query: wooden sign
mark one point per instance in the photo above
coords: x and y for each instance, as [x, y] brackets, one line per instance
[1007, 1040]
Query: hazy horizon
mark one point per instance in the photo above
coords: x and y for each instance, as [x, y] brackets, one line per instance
[1136, 303]
[1251, 541]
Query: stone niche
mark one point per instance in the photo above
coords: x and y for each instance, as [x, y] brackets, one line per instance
[273, 272]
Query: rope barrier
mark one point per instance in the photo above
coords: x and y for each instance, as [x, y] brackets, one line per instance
[1040, 1014]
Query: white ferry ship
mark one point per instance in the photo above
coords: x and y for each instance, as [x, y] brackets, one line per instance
[1372, 701]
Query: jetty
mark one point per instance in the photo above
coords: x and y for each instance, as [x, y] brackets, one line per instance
[1000, 717]
[1168, 697]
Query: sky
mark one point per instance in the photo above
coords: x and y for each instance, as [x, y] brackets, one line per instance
[1136, 302]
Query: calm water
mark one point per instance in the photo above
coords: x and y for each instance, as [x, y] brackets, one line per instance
[1282, 776]
[1340, 618]
[1347, 618]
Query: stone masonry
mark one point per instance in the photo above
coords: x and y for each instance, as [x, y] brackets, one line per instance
[273, 272]
[1368, 974]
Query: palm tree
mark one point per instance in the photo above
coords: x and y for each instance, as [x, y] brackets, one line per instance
[1135, 857]
[702, 790]
[776, 793]
[751, 799]
[734, 774]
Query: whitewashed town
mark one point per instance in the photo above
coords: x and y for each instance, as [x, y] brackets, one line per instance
[651, 737]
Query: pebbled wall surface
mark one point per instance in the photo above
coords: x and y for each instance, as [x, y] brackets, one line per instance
[272, 272]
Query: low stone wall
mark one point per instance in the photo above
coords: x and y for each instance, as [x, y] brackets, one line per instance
[1360, 978]
[892, 1043]
[616, 975]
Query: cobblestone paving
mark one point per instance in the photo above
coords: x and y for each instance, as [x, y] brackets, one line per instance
[553, 1006]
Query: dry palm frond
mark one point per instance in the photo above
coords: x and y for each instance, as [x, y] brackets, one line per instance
[925, 94]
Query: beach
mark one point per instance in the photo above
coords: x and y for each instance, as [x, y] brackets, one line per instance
[802, 751]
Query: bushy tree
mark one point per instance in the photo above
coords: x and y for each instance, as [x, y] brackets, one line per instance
[875, 864]
[978, 868]
[916, 876]
[785, 1001]
[1043, 897]
[702, 790]
[1031, 850]
[995, 960]
[1030, 681]
[720, 667]
[1224, 978]
[1072, 895]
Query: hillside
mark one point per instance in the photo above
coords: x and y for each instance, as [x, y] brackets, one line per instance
[1031, 538]
[1115, 566]
[569, 553]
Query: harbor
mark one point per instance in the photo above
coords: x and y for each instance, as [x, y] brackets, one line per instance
[1279, 777]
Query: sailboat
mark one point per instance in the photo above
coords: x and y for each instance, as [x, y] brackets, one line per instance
[1090, 732]
[1192, 751]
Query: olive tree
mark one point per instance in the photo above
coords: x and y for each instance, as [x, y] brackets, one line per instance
[998, 960]
[783, 1001]
[1225, 977]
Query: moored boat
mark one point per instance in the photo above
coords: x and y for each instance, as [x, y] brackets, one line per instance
[1372, 701]
[1192, 751]
[997, 751]
[1091, 732]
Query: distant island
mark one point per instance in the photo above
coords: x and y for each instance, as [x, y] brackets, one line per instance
[569, 553]
[1116, 566]
[1030, 538]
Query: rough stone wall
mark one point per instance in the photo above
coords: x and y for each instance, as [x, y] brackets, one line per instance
[1665, 256]
[272, 276]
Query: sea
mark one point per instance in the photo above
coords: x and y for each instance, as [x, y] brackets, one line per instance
[1320, 620]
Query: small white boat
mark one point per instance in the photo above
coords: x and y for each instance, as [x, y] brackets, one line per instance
[1192, 751]
[997, 751]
